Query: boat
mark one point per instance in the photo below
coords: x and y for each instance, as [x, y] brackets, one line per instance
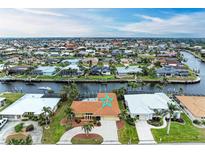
[44, 88]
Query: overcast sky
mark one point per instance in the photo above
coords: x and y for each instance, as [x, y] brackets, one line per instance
[102, 22]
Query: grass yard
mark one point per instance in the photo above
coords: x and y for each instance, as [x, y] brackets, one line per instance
[54, 133]
[10, 98]
[128, 133]
[180, 133]
[96, 77]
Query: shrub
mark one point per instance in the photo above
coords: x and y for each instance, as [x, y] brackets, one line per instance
[180, 120]
[203, 122]
[197, 122]
[18, 127]
[77, 120]
[35, 118]
[41, 123]
[130, 121]
[29, 128]
[27, 141]
[98, 123]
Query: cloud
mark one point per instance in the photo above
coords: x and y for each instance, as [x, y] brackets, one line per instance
[37, 25]
[155, 19]
[96, 22]
[40, 12]
[189, 25]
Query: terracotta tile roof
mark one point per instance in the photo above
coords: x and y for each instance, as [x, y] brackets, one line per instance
[96, 107]
[195, 104]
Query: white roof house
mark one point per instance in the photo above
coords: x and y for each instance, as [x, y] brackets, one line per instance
[127, 70]
[143, 105]
[33, 103]
[46, 70]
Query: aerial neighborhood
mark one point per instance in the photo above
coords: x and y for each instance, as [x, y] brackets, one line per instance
[101, 91]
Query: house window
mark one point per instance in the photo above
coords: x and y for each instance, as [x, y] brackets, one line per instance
[88, 116]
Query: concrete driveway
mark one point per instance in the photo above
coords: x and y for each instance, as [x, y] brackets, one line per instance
[36, 134]
[144, 132]
[108, 130]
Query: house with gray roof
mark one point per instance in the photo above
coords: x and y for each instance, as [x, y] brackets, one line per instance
[121, 71]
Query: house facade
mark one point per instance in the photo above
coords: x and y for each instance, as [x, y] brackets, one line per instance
[104, 107]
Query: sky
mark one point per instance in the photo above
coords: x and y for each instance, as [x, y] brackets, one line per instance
[102, 23]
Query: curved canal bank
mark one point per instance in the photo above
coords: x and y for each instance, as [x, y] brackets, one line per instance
[94, 87]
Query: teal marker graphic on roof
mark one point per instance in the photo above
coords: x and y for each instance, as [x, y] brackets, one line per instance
[106, 101]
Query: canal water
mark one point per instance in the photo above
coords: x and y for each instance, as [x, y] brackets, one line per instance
[93, 88]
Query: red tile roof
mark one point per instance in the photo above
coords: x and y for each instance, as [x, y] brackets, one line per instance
[96, 107]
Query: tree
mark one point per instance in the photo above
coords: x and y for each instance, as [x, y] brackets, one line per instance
[181, 91]
[69, 113]
[86, 72]
[6, 68]
[120, 92]
[159, 86]
[87, 128]
[46, 115]
[123, 114]
[172, 107]
[133, 85]
[71, 91]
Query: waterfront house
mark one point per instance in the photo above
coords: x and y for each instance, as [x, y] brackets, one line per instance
[97, 70]
[121, 71]
[29, 104]
[19, 69]
[71, 69]
[143, 106]
[45, 70]
[171, 71]
[194, 106]
[105, 107]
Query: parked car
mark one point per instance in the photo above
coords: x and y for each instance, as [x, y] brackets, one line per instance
[3, 122]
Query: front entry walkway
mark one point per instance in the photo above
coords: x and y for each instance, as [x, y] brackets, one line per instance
[144, 132]
[108, 130]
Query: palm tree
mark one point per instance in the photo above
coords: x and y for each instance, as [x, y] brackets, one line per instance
[123, 114]
[69, 113]
[87, 128]
[47, 114]
[158, 86]
[6, 68]
[181, 91]
[172, 107]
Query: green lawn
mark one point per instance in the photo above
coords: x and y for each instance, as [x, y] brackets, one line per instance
[180, 133]
[128, 133]
[95, 77]
[10, 98]
[54, 133]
